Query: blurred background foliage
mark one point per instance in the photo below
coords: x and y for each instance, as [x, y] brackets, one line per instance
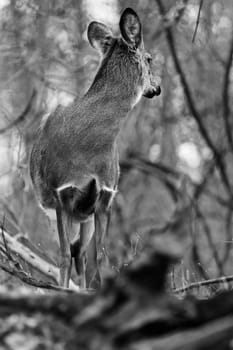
[176, 146]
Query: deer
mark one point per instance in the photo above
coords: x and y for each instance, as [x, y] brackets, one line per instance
[74, 162]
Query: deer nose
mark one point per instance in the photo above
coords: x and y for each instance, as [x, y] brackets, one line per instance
[157, 90]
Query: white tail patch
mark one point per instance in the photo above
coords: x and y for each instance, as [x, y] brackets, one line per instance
[81, 184]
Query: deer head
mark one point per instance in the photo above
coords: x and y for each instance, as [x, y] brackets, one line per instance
[125, 63]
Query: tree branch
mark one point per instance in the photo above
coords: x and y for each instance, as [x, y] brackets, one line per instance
[225, 95]
[22, 116]
[197, 22]
[191, 104]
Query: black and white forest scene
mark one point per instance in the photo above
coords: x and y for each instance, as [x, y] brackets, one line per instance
[116, 175]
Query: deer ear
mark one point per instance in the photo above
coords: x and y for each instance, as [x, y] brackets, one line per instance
[99, 36]
[130, 27]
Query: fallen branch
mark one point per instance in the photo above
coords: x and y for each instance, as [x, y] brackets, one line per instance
[131, 312]
[18, 249]
[10, 245]
[29, 280]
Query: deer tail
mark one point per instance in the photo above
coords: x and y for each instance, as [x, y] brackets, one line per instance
[78, 203]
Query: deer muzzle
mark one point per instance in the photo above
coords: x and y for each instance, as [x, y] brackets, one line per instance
[154, 91]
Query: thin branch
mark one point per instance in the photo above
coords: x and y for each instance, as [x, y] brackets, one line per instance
[225, 95]
[21, 117]
[197, 22]
[143, 164]
[191, 104]
[207, 231]
[168, 176]
[195, 256]
[228, 229]
[200, 188]
[221, 201]
[195, 285]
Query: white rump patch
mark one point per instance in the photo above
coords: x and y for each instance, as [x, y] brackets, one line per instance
[109, 189]
[67, 185]
[80, 186]
[112, 191]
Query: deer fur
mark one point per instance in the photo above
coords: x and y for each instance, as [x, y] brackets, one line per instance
[74, 161]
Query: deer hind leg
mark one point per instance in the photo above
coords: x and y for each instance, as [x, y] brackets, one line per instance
[91, 255]
[66, 261]
[102, 220]
[79, 249]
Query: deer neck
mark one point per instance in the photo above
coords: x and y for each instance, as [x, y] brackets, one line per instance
[114, 86]
[109, 107]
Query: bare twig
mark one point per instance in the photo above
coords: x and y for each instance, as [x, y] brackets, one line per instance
[168, 176]
[197, 262]
[19, 273]
[138, 162]
[228, 228]
[3, 238]
[204, 133]
[195, 256]
[197, 22]
[207, 231]
[21, 117]
[225, 95]
[194, 285]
